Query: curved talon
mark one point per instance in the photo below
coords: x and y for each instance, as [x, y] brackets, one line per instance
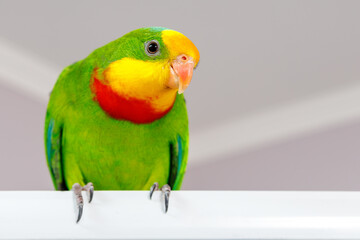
[153, 188]
[167, 195]
[166, 189]
[79, 213]
[89, 191]
[78, 201]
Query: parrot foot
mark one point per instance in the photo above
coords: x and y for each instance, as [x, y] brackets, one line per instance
[166, 190]
[78, 198]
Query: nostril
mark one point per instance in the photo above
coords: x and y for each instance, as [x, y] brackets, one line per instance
[184, 58]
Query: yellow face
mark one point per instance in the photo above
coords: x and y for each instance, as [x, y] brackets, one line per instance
[155, 81]
[178, 44]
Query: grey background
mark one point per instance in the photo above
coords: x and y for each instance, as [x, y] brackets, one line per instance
[255, 55]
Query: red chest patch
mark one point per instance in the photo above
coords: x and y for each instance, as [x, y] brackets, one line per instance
[119, 107]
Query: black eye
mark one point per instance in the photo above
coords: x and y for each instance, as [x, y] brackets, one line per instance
[152, 48]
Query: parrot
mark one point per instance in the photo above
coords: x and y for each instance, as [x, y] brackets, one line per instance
[117, 120]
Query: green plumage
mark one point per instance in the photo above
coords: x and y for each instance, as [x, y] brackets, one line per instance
[84, 144]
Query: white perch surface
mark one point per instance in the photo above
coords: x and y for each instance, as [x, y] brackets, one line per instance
[191, 215]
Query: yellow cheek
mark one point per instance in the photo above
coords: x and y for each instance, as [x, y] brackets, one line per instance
[143, 80]
[137, 78]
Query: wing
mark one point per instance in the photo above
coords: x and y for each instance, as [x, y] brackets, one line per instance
[178, 160]
[53, 143]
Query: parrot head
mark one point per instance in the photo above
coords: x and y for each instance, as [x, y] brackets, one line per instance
[143, 72]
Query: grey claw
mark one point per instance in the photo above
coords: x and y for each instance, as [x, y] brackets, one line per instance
[79, 213]
[78, 201]
[89, 188]
[166, 189]
[167, 195]
[153, 188]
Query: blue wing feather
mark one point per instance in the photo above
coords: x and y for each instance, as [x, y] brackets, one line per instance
[53, 154]
[177, 161]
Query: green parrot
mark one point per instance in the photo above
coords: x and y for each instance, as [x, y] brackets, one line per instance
[117, 120]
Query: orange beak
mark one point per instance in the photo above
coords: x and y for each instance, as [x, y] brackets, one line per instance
[181, 71]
